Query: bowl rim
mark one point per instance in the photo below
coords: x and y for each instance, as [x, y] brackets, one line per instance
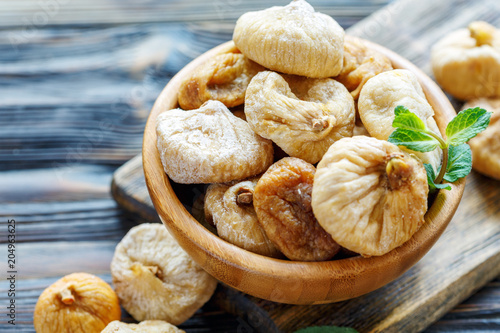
[285, 281]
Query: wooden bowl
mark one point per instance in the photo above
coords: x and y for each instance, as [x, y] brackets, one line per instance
[286, 281]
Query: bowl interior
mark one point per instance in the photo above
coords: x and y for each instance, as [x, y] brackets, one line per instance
[282, 280]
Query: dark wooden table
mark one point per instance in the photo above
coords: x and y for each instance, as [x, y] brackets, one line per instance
[77, 81]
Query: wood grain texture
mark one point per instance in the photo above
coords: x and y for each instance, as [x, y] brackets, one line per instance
[78, 12]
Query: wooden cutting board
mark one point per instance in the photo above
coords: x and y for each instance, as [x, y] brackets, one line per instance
[465, 258]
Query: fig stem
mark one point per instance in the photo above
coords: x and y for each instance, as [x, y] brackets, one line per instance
[66, 295]
[398, 171]
[244, 197]
[482, 32]
[152, 269]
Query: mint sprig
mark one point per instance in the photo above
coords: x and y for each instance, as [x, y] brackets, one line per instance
[412, 133]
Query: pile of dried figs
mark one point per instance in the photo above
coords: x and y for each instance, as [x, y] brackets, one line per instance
[300, 166]
[154, 280]
[466, 63]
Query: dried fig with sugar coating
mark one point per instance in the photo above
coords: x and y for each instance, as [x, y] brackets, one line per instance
[210, 145]
[230, 208]
[360, 64]
[76, 303]
[156, 279]
[147, 326]
[302, 116]
[224, 78]
[382, 94]
[369, 195]
[282, 201]
[293, 39]
[466, 62]
[485, 146]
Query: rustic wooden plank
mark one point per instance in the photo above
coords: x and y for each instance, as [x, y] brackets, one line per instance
[62, 204]
[32, 14]
[479, 313]
[83, 95]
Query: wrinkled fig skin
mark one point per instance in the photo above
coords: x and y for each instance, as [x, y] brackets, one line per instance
[230, 208]
[360, 64]
[282, 201]
[210, 145]
[369, 195]
[302, 116]
[382, 94]
[223, 78]
[485, 146]
[466, 62]
[77, 303]
[293, 39]
[147, 326]
[156, 279]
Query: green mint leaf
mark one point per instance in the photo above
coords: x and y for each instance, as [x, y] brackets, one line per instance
[327, 329]
[466, 125]
[413, 140]
[459, 162]
[406, 119]
[430, 179]
[400, 109]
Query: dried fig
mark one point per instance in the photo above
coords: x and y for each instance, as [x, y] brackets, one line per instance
[210, 145]
[224, 78]
[282, 201]
[485, 146]
[155, 279]
[360, 64]
[382, 94]
[230, 208]
[369, 195]
[466, 62]
[78, 302]
[147, 326]
[293, 39]
[302, 116]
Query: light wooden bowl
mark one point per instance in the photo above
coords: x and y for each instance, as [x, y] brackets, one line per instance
[282, 280]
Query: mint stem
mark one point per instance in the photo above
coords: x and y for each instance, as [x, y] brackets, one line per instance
[444, 147]
[440, 176]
